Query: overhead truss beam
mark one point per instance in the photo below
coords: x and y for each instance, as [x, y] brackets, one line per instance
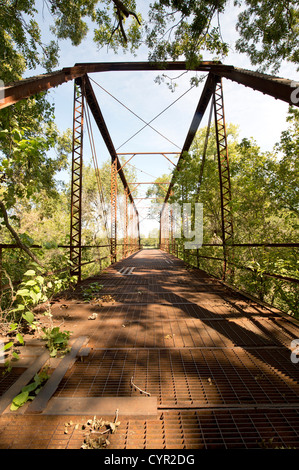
[277, 87]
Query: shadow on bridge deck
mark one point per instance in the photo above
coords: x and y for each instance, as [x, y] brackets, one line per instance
[215, 366]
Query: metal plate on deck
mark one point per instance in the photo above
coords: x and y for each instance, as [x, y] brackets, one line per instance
[126, 406]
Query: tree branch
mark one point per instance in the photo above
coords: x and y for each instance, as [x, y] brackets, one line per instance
[16, 236]
[121, 11]
[120, 6]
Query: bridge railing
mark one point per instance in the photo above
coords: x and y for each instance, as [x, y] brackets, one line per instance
[13, 266]
[250, 274]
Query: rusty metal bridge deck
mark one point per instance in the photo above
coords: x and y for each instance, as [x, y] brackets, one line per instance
[218, 365]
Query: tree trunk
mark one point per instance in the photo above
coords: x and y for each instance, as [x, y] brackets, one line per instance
[16, 236]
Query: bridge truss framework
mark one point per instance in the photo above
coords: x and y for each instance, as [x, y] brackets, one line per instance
[84, 97]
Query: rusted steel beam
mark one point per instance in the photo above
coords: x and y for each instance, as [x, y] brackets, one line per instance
[257, 245]
[239, 245]
[279, 88]
[93, 67]
[16, 91]
[148, 153]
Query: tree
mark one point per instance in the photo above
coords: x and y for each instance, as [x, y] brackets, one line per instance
[159, 189]
[170, 29]
[96, 198]
[284, 180]
[158, 192]
[26, 169]
[269, 32]
[264, 207]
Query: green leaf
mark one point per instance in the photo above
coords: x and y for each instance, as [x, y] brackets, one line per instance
[23, 292]
[20, 338]
[7, 346]
[18, 308]
[19, 400]
[50, 245]
[35, 297]
[29, 388]
[32, 282]
[60, 338]
[30, 272]
[14, 407]
[28, 316]
[37, 379]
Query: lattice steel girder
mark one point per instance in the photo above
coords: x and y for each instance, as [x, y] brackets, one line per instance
[223, 169]
[76, 181]
[138, 231]
[126, 224]
[113, 210]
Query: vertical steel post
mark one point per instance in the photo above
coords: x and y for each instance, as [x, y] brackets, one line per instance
[0, 268]
[126, 224]
[224, 174]
[162, 228]
[129, 228]
[113, 240]
[135, 230]
[160, 231]
[138, 232]
[170, 250]
[76, 183]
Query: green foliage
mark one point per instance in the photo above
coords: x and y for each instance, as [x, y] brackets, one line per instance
[170, 29]
[184, 29]
[269, 32]
[30, 292]
[20, 316]
[265, 210]
[25, 166]
[21, 44]
[91, 291]
[57, 341]
[30, 391]
[152, 240]
[118, 25]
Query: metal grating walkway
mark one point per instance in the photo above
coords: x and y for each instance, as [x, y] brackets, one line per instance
[218, 364]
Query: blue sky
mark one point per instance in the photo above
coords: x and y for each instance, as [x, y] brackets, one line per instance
[257, 115]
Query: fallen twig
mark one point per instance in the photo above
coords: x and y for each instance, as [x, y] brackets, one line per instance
[135, 386]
